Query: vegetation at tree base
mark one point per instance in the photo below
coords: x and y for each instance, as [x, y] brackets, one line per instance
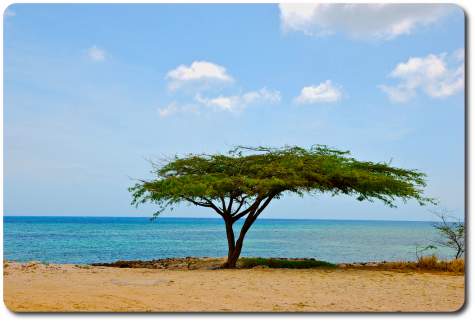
[423, 263]
[242, 183]
[250, 262]
[452, 233]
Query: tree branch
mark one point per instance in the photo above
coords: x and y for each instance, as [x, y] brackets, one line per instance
[265, 204]
[230, 205]
[223, 204]
[243, 199]
[197, 203]
[253, 207]
[208, 204]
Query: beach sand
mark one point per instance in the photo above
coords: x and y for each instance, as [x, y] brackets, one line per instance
[56, 288]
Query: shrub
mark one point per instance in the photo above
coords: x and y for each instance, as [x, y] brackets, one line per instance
[283, 263]
[428, 263]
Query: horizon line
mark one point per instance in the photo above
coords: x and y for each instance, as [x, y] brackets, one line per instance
[175, 217]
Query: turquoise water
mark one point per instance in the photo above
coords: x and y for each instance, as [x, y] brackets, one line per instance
[106, 239]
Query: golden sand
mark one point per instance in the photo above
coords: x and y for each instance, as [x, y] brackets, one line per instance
[58, 288]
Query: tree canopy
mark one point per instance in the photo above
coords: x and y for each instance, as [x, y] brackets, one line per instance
[244, 181]
[242, 176]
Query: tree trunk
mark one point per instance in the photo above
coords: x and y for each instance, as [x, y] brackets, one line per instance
[231, 243]
[235, 251]
[235, 246]
[233, 257]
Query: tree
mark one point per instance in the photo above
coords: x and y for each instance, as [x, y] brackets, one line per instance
[242, 183]
[452, 232]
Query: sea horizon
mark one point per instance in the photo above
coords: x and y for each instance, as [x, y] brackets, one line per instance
[90, 239]
[217, 218]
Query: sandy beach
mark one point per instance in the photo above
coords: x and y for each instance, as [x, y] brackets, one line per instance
[55, 288]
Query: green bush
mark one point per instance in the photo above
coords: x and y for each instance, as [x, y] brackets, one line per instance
[283, 263]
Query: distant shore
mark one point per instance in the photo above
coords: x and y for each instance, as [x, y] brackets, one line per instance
[36, 287]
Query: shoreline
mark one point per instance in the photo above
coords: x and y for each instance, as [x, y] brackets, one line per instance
[36, 287]
[214, 263]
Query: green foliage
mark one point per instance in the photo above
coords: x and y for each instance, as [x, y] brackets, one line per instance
[283, 263]
[247, 176]
[452, 232]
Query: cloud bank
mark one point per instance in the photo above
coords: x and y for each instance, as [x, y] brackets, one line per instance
[437, 76]
[380, 21]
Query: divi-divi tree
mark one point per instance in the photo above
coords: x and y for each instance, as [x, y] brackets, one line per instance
[240, 184]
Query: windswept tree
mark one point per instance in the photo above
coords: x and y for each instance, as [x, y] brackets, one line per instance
[451, 231]
[242, 183]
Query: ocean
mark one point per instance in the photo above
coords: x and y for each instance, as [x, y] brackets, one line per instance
[83, 240]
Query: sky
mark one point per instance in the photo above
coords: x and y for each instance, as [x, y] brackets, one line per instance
[93, 92]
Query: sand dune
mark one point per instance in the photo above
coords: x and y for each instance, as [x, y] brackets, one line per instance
[37, 287]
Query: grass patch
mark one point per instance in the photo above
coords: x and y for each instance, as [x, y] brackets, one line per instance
[429, 263]
[251, 262]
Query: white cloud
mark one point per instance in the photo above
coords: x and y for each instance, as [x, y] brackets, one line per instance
[381, 21]
[197, 72]
[324, 92]
[398, 94]
[264, 95]
[198, 78]
[96, 54]
[437, 76]
[239, 102]
[222, 102]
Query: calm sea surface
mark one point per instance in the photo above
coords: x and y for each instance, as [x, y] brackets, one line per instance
[106, 239]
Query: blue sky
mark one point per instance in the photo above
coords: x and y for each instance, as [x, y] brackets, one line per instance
[93, 91]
